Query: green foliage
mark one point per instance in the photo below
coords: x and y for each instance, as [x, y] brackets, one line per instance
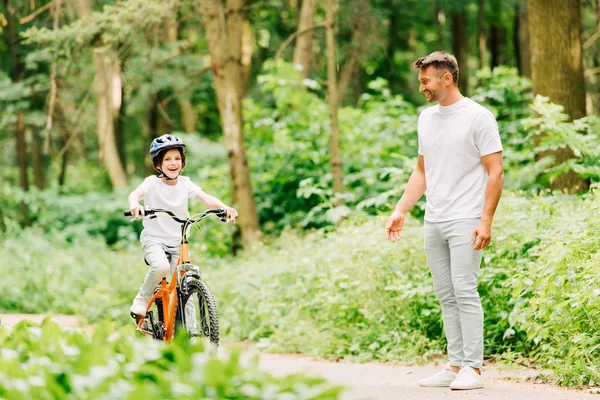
[45, 362]
[71, 275]
[508, 95]
[292, 180]
[349, 294]
[555, 131]
[346, 295]
[559, 293]
[117, 27]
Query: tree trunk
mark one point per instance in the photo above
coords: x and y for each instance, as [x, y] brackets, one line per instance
[38, 161]
[120, 135]
[303, 49]
[224, 34]
[22, 151]
[557, 67]
[333, 99]
[593, 94]
[441, 25]
[188, 117]
[16, 72]
[522, 40]
[460, 47]
[108, 81]
[481, 39]
[108, 101]
[495, 35]
[360, 22]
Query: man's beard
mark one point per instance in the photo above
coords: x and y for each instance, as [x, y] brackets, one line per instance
[433, 96]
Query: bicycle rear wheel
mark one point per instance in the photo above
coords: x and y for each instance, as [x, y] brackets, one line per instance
[200, 309]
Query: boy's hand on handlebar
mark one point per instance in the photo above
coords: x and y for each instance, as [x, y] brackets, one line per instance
[231, 214]
[137, 211]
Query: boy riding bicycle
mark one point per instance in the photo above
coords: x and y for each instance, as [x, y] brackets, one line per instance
[167, 190]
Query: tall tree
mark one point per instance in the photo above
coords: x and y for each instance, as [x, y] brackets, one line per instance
[16, 74]
[108, 100]
[188, 117]
[225, 31]
[557, 66]
[496, 34]
[460, 47]
[522, 39]
[440, 25]
[361, 20]
[481, 36]
[333, 100]
[303, 50]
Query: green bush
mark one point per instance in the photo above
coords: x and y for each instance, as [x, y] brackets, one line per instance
[559, 294]
[350, 294]
[288, 151]
[76, 276]
[45, 362]
[555, 131]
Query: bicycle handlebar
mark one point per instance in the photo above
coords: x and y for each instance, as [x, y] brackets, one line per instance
[220, 213]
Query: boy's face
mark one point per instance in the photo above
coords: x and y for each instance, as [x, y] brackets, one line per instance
[172, 163]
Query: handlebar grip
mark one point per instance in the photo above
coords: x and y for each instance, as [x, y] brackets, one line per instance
[127, 213]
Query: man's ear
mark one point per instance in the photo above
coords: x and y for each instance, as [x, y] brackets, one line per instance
[448, 78]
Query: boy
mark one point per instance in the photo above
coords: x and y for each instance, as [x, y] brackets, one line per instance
[168, 190]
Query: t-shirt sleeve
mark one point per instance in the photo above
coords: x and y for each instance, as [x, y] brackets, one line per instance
[145, 186]
[193, 189]
[487, 136]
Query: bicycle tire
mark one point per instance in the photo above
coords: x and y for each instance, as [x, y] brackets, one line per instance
[207, 317]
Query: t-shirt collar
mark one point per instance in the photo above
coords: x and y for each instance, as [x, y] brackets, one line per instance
[453, 107]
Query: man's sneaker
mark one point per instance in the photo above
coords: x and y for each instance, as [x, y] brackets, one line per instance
[140, 305]
[467, 379]
[442, 379]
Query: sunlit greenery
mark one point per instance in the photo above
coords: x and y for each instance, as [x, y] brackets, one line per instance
[47, 362]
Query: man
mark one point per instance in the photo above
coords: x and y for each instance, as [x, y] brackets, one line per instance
[459, 169]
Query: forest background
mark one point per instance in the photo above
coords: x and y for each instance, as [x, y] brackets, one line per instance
[303, 116]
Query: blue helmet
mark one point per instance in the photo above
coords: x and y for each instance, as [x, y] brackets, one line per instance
[165, 142]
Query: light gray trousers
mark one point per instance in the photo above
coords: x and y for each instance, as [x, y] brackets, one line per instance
[454, 267]
[155, 254]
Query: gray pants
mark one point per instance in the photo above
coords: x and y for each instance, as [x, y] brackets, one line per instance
[454, 267]
[155, 254]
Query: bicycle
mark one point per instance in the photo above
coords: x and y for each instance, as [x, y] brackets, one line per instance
[170, 307]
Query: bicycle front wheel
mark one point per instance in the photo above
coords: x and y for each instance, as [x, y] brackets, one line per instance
[200, 311]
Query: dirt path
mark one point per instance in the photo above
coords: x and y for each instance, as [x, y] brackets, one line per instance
[393, 382]
[382, 381]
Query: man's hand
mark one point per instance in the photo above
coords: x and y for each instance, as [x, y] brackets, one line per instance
[482, 235]
[393, 227]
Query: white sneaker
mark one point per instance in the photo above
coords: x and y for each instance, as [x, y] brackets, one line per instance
[442, 379]
[467, 379]
[140, 305]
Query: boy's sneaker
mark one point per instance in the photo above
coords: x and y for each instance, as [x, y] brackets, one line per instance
[442, 379]
[467, 379]
[140, 305]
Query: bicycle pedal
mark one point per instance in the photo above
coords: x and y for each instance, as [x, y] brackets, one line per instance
[136, 317]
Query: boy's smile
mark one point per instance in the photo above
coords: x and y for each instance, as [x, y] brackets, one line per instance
[172, 163]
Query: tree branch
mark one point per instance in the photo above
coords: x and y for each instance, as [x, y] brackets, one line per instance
[294, 36]
[591, 39]
[37, 12]
[592, 71]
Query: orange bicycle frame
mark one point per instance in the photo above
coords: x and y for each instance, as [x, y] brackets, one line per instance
[168, 294]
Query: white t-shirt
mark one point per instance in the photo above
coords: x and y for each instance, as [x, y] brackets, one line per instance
[452, 140]
[157, 194]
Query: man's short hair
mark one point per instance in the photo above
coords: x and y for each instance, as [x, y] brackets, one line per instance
[440, 60]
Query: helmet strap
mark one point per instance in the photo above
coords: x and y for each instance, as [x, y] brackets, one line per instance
[163, 175]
